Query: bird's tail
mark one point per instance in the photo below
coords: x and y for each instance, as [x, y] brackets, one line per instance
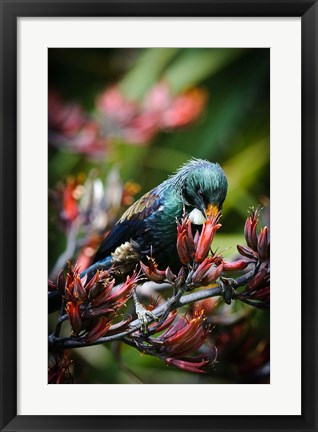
[55, 297]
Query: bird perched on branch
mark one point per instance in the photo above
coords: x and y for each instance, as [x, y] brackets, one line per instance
[148, 227]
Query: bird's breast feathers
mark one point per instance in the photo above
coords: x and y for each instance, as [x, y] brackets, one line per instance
[126, 251]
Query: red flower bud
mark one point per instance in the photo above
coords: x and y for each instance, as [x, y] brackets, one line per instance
[183, 250]
[78, 290]
[257, 291]
[263, 244]
[208, 271]
[185, 335]
[181, 277]
[59, 368]
[212, 274]
[99, 330]
[201, 270]
[98, 276]
[250, 229]
[120, 326]
[235, 265]
[247, 252]
[73, 311]
[187, 365]
[185, 242]
[259, 280]
[122, 294]
[167, 323]
[170, 276]
[182, 336]
[100, 293]
[94, 312]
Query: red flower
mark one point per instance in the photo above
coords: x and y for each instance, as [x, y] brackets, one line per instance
[74, 314]
[207, 272]
[260, 280]
[185, 241]
[141, 129]
[235, 265]
[97, 298]
[122, 294]
[182, 338]
[88, 140]
[184, 109]
[114, 106]
[263, 244]
[207, 234]
[247, 252]
[120, 118]
[257, 291]
[99, 329]
[197, 364]
[74, 290]
[100, 292]
[185, 336]
[250, 229]
[152, 272]
[59, 369]
[257, 245]
[158, 98]
[120, 326]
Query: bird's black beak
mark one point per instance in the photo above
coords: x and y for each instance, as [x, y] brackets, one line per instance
[203, 210]
[210, 209]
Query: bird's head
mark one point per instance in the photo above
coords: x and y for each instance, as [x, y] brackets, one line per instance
[203, 189]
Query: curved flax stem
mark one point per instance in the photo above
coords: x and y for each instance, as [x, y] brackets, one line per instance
[160, 310]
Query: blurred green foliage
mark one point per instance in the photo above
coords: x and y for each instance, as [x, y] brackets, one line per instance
[234, 130]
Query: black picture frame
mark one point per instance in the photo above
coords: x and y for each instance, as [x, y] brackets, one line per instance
[10, 11]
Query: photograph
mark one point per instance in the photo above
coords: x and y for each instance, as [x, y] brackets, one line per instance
[158, 164]
[158, 216]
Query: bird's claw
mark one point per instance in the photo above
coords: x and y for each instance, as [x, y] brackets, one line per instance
[144, 315]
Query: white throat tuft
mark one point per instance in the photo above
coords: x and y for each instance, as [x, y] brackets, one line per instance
[197, 217]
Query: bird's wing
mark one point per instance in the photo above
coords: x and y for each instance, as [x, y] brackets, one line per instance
[132, 223]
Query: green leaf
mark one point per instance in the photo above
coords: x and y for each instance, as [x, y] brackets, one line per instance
[146, 71]
[195, 65]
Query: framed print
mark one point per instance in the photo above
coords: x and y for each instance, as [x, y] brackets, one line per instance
[151, 152]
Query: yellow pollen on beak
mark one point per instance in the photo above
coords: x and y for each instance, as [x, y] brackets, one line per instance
[212, 210]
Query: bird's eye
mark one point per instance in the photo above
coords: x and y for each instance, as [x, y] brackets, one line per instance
[202, 195]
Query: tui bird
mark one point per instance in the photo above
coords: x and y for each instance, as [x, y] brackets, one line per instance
[148, 227]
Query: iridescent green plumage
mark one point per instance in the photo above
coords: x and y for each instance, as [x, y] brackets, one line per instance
[148, 227]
